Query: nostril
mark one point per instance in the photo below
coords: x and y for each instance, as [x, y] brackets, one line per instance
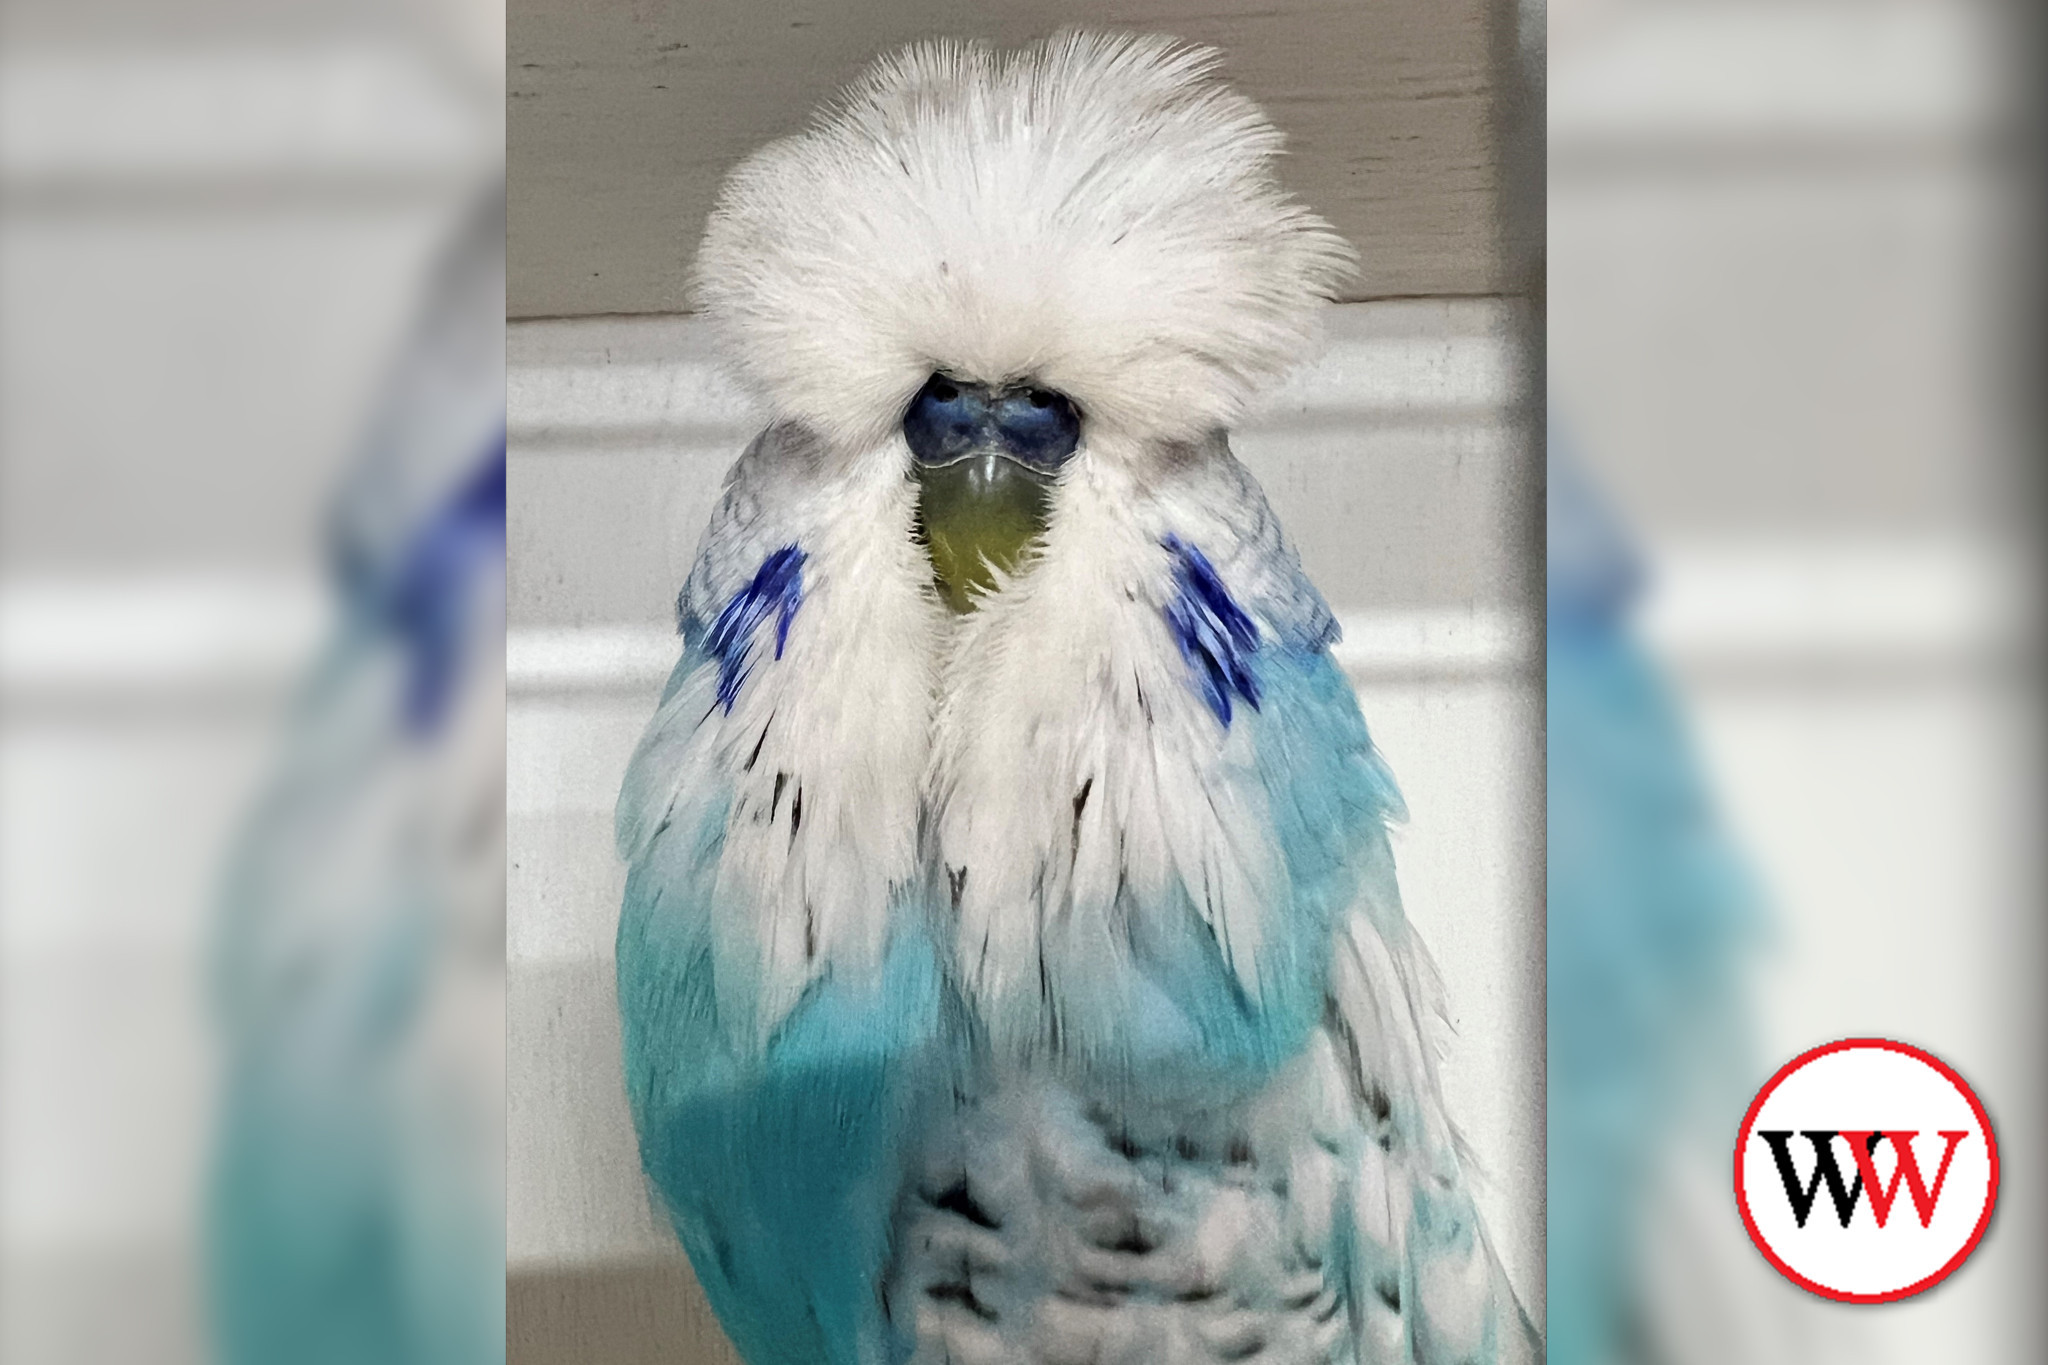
[945, 420]
[1038, 426]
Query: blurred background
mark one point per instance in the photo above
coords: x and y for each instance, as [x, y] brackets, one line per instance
[1794, 366]
[1793, 287]
[1406, 465]
[222, 226]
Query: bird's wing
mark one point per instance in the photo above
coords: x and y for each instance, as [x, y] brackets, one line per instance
[760, 511]
[1426, 1285]
[778, 779]
[774, 1019]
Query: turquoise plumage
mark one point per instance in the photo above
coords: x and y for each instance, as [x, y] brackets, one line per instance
[770, 1158]
[1028, 981]
[802, 1167]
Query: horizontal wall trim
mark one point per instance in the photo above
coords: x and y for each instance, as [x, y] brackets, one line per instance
[1720, 607]
[1377, 647]
[158, 635]
[1837, 611]
[597, 382]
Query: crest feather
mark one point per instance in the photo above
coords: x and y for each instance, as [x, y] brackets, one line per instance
[1097, 213]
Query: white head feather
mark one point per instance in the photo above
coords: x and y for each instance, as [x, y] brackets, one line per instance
[1096, 213]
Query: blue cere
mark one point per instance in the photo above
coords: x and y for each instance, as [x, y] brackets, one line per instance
[426, 601]
[1039, 426]
[951, 419]
[1215, 636]
[777, 589]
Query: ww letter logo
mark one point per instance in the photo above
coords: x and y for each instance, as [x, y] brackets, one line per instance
[1829, 1145]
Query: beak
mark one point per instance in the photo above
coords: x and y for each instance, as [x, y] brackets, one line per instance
[985, 462]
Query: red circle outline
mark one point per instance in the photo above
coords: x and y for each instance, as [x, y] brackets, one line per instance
[1883, 1045]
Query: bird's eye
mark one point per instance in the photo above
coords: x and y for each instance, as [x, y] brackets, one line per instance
[1041, 399]
[943, 391]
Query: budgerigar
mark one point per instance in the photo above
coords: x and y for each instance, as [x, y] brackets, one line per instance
[357, 1210]
[1011, 966]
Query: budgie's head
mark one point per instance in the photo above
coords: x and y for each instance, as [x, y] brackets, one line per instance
[1018, 251]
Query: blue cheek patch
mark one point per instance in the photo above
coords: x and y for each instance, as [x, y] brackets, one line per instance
[1215, 636]
[777, 590]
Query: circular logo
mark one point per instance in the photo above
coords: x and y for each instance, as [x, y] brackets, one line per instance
[1866, 1170]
